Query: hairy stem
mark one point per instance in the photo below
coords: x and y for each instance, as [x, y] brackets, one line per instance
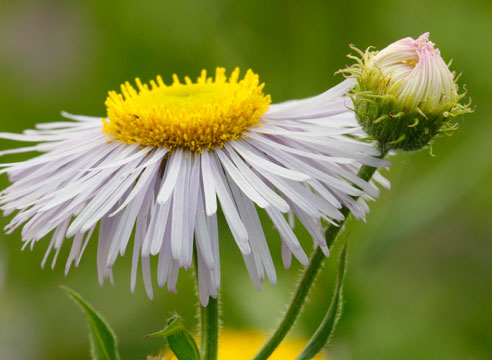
[307, 280]
[208, 322]
[209, 329]
[327, 326]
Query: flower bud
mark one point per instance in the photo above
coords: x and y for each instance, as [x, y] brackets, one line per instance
[405, 94]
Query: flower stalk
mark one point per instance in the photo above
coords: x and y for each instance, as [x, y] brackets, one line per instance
[307, 280]
[327, 326]
[208, 322]
[209, 329]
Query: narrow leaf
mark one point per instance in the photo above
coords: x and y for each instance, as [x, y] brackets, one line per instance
[174, 324]
[183, 345]
[322, 335]
[102, 338]
[180, 341]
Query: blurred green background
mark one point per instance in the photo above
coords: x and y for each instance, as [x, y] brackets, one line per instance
[419, 284]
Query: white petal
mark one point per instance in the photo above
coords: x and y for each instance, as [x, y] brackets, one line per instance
[147, 180]
[147, 276]
[173, 167]
[74, 251]
[271, 196]
[192, 200]
[260, 163]
[302, 166]
[237, 177]
[260, 252]
[229, 207]
[286, 256]
[165, 257]
[208, 184]
[155, 233]
[287, 235]
[172, 278]
[202, 233]
[180, 211]
[83, 118]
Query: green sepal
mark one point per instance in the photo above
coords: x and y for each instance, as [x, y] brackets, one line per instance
[102, 338]
[394, 129]
[180, 341]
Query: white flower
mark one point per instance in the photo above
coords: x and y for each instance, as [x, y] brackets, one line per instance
[162, 158]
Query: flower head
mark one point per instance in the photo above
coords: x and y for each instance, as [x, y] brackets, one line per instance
[157, 164]
[405, 93]
[192, 116]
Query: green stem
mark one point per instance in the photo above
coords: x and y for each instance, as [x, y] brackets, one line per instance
[325, 330]
[209, 329]
[297, 302]
[307, 280]
[208, 323]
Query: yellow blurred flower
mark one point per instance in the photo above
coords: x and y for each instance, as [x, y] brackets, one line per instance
[243, 345]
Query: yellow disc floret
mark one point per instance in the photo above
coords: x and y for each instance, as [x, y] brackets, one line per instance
[191, 115]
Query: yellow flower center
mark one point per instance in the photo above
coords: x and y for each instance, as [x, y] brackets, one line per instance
[197, 115]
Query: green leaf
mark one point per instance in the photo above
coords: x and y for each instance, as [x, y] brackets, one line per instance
[103, 340]
[180, 341]
[322, 335]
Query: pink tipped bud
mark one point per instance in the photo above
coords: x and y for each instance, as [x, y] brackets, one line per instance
[417, 73]
[405, 94]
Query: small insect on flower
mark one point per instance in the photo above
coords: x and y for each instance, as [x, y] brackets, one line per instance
[405, 94]
[164, 154]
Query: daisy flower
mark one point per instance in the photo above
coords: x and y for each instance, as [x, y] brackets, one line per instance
[153, 173]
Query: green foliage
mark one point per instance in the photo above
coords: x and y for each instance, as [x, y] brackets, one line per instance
[180, 341]
[103, 340]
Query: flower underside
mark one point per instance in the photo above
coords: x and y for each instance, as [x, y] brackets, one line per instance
[190, 115]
